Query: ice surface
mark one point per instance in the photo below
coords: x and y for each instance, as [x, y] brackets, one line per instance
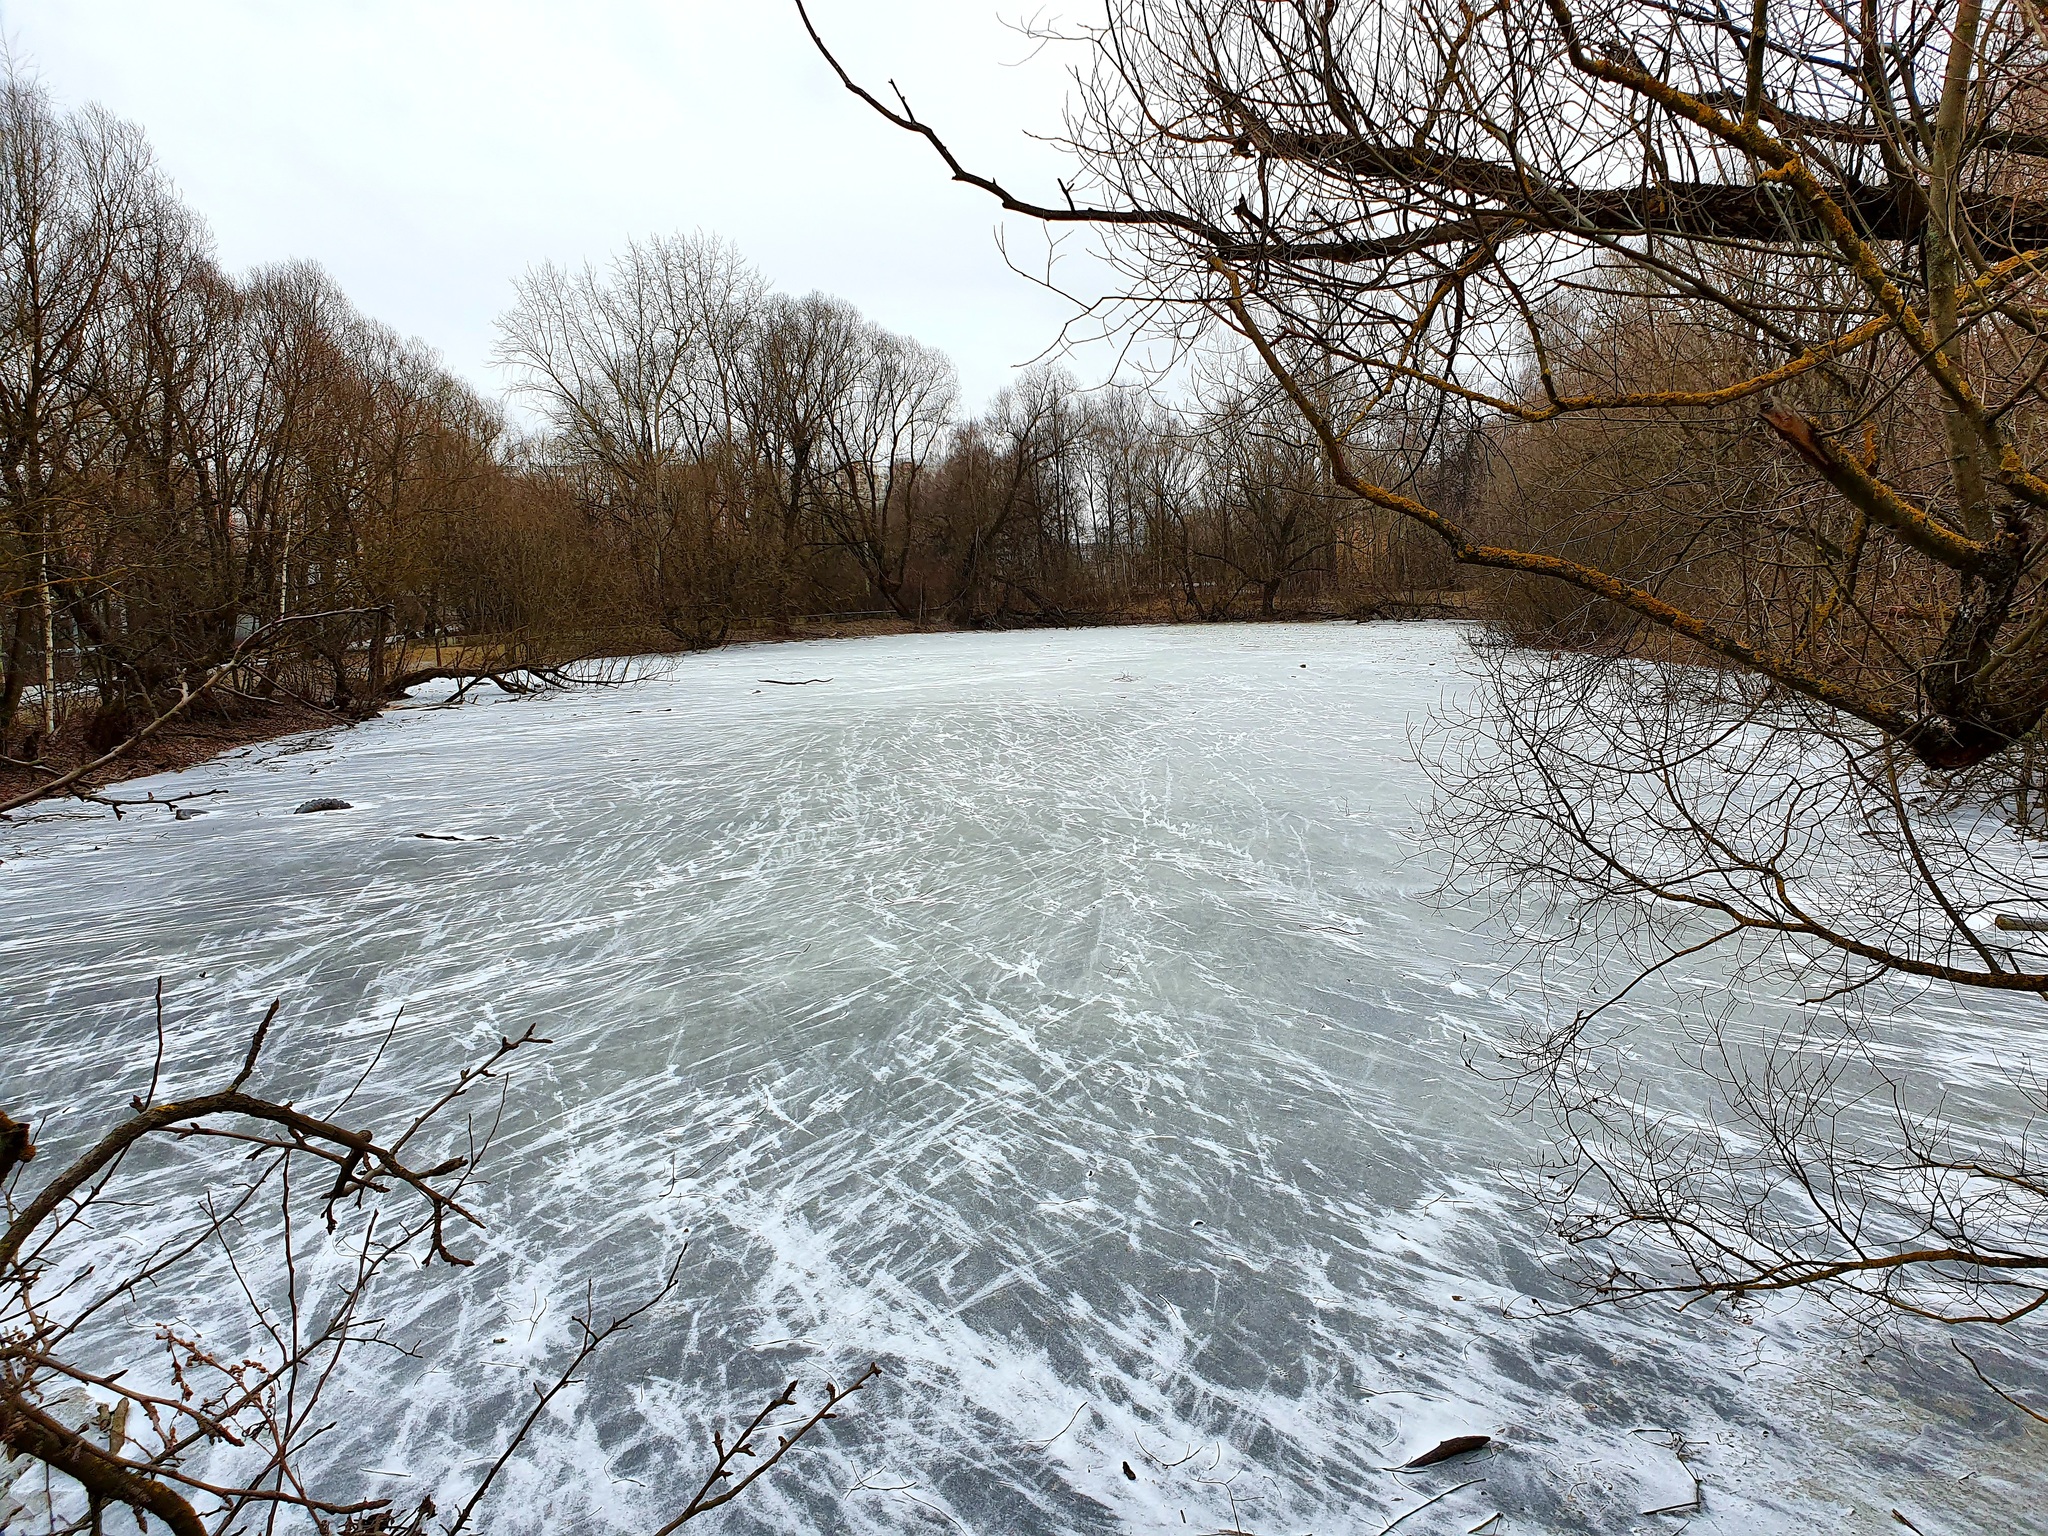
[1052, 1017]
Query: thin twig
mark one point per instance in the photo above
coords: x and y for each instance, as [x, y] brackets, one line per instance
[2038, 1417]
[706, 1501]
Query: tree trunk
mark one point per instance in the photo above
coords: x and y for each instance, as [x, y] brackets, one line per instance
[12, 675]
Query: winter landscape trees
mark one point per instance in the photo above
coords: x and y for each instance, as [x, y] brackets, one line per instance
[1807, 238]
[1695, 351]
[193, 456]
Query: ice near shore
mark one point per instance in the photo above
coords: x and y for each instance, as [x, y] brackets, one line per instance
[1055, 1018]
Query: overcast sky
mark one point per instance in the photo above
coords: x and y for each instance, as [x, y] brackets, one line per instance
[425, 151]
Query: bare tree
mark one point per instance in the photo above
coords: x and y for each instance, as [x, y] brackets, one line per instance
[882, 443]
[1008, 484]
[803, 378]
[1399, 200]
[67, 212]
[1674, 843]
[1718, 333]
[641, 373]
[1274, 517]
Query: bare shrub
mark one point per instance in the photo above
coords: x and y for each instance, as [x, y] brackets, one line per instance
[1692, 844]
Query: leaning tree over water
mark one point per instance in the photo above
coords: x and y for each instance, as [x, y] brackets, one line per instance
[1712, 335]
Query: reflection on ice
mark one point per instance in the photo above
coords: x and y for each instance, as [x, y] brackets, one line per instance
[1050, 1017]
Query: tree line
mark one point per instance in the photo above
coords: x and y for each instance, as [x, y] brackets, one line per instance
[242, 484]
[749, 455]
[188, 457]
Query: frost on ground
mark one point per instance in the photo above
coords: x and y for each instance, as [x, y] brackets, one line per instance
[1050, 1017]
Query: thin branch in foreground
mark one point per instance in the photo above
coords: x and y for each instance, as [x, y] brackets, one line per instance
[705, 1500]
[262, 1399]
[2036, 1415]
[593, 1338]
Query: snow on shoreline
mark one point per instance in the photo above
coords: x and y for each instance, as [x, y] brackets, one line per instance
[1049, 1016]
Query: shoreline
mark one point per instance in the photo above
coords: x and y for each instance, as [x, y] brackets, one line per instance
[208, 733]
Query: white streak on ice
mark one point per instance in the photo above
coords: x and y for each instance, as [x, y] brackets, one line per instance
[1051, 1017]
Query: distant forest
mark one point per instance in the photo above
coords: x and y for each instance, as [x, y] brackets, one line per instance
[240, 489]
[244, 485]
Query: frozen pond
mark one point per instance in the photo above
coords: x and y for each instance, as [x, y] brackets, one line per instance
[1052, 1017]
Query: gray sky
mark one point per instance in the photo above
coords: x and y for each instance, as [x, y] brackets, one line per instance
[425, 151]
